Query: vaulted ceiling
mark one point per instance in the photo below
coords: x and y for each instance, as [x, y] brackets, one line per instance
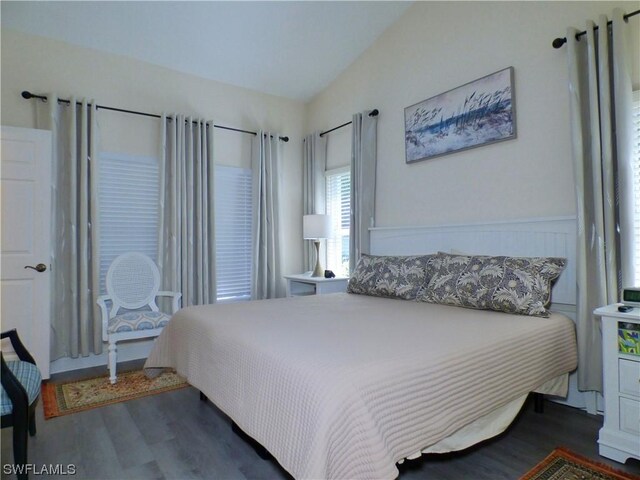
[292, 49]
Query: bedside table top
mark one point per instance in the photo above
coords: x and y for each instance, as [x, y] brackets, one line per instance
[306, 277]
[612, 311]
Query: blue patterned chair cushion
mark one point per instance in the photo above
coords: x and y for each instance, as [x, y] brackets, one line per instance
[29, 377]
[133, 321]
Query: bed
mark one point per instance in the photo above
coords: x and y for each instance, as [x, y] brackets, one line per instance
[348, 385]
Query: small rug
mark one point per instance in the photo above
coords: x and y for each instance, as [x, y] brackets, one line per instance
[71, 397]
[562, 464]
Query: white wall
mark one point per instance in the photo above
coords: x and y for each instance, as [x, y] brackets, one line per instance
[437, 46]
[42, 65]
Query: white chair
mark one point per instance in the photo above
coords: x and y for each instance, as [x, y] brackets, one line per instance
[132, 282]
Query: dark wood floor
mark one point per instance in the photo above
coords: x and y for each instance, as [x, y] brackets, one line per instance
[175, 435]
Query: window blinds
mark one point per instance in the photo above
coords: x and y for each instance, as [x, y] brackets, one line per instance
[234, 201]
[338, 192]
[636, 182]
[128, 194]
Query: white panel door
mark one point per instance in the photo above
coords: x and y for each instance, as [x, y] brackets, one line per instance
[25, 184]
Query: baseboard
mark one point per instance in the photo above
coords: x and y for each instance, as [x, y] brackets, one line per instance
[132, 350]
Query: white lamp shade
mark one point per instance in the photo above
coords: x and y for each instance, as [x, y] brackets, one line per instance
[316, 226]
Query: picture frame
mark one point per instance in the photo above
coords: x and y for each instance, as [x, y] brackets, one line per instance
[477, 113]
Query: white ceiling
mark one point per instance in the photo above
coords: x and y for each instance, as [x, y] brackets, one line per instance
[291, 49]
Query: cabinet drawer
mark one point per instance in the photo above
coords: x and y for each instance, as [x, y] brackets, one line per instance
[297, 289]
[629, 416]
[629, 377]
[332, 287]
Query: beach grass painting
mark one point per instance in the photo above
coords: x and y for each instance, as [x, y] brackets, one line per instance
[478, 113]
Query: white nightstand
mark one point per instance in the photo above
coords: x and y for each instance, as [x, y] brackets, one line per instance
[304, 284]
[619, 437]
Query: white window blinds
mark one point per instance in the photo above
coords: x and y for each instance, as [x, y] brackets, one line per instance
[233, 198]
[636, 183]
[128, 195]
[338, 193]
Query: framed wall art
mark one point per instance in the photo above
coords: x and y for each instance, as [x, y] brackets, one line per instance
[474, 114]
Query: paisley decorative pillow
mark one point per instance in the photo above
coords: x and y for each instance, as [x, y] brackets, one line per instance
[519, 285]
[389, 276]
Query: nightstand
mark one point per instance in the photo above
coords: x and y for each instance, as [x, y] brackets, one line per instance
[304, 284]
[619, 437]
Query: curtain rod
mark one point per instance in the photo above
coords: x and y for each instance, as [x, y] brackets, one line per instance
[559, 42]
[28, 95]
[372, 113]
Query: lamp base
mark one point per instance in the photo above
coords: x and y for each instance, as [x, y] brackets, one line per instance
[318, 271]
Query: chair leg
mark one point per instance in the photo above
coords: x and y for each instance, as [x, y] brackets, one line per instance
[113, 355]
[32, 420]
[20, 449]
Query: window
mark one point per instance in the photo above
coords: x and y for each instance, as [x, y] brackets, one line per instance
[129, 210]
[636, 183]
[338, 192]
[233, 233]
[128, 195]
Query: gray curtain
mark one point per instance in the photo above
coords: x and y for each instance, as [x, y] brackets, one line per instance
[186, 256]
[363, 184]
[76, 328]
[265, 281]
[314, 157]
[601, 99]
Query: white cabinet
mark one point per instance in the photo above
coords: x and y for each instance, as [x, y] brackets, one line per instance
[620, 435]
[304, 284]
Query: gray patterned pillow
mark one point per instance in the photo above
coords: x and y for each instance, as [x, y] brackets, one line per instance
[389, 276]
[506, 284]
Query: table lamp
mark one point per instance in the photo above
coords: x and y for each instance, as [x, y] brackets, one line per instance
[316, 227]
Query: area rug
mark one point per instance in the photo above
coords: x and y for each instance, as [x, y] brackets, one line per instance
[71, 397]
[562, 464]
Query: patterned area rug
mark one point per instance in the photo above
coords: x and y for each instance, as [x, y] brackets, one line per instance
[562, 464]
[71, 397]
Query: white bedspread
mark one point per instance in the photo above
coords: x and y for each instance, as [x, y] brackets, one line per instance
[345, 386]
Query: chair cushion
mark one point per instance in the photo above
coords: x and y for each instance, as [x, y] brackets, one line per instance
[134, 321]
[29, 377]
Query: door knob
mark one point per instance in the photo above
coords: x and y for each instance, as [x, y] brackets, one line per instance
[41, 267]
